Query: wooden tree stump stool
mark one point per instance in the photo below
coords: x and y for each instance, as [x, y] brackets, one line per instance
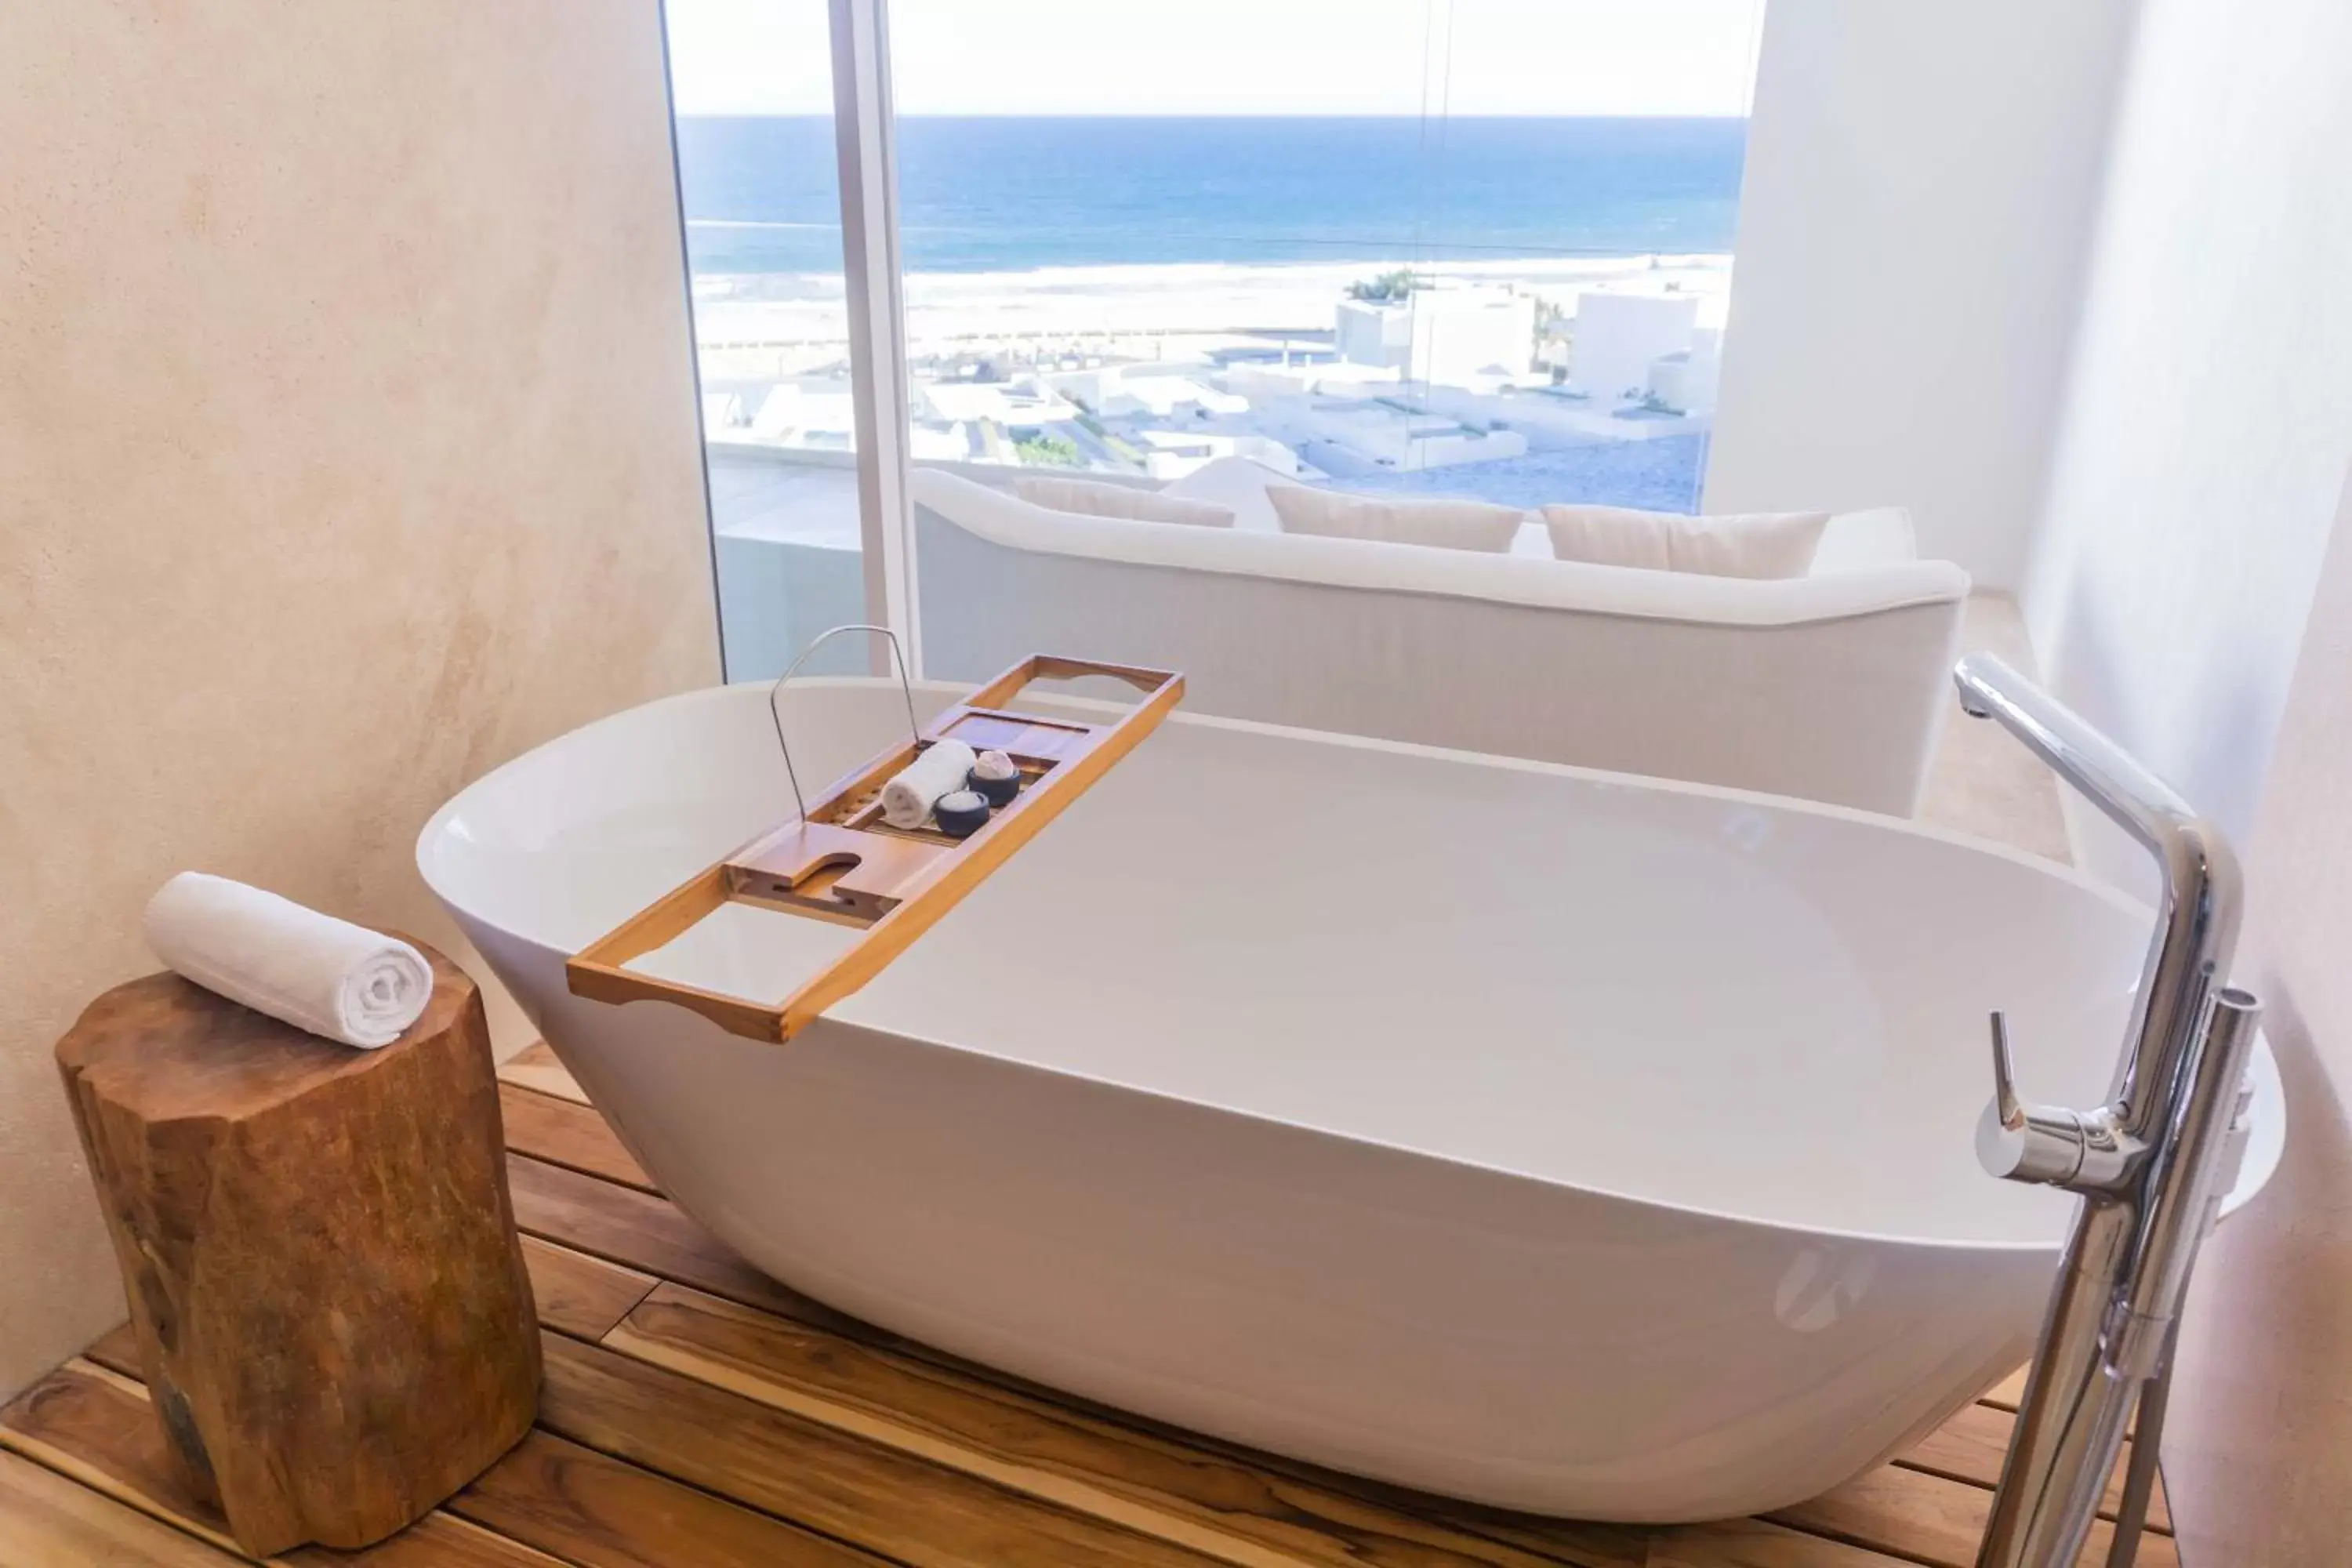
[320, 1252]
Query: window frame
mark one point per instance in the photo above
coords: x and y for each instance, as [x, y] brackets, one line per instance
[864, 143]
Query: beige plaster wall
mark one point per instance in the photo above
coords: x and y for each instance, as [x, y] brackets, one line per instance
[347, 448]
[2258, 1452]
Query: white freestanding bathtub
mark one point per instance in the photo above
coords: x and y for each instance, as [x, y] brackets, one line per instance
[1554, 1139]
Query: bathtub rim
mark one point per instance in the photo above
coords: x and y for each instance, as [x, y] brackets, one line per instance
[2072, 875]
[2265, 1145]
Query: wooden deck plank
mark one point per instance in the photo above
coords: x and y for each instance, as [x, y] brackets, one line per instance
[1205, 1500]
[2006, 1395]
[97, 1429]
[48, 1521]
[1005, 1435]
[1931, 1520]
[439, 1540]
[535, 1066]
[116, 1350]
[600, 1512]
[578, 1294]
[638, 1230]
[1971, 1445]
[902, 1507]
[563, 1500]
[567, 1132]
[1753, 1543]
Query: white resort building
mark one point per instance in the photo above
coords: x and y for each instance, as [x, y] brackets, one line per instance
[1461, 336]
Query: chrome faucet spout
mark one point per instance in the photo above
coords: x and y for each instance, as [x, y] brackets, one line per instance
[2146, 1164]
[2197, 929]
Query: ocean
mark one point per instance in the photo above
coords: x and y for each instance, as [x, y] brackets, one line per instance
[1012, 195]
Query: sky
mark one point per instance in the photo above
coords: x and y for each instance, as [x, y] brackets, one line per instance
[1236, 57]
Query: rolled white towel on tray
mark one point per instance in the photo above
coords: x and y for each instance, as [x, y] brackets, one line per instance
[315, 972]
[914, 789]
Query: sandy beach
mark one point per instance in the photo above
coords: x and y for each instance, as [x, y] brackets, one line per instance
[791, 322]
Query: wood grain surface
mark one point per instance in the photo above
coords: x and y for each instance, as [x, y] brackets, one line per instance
[578, 1295]
[923, 1515]
[568, 1133]
[48, 1521]
[602, 1513]
[96, 1427]
[325, 1283]
[536, 1067]
[1216, 1505]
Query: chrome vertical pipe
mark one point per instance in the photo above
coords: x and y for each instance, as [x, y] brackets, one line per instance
[2115, 1309]
[2139, 1477]
[2070, 1424]
[2185, 1188]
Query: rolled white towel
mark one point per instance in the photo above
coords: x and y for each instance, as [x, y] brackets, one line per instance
[315, 972]
[914, 789]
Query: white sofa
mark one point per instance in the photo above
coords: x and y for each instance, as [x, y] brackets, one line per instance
[1830, 687]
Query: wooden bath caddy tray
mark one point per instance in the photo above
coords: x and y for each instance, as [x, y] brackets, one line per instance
[841, 862]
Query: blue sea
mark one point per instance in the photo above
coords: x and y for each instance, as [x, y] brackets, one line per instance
[1004, 194]
[1015, 194]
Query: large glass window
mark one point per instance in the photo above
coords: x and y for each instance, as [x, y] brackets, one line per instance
[1474, 247]
[752, 83]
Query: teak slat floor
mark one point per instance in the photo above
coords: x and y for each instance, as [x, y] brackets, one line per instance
[697, 1414]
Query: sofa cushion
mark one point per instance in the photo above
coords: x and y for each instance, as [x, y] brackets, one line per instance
[1753, 544]
[1449, 525]
[1002, 519]
[1094, 498]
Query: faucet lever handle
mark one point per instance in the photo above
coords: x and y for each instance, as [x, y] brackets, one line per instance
[2022, 1143]
[2006, 1105]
